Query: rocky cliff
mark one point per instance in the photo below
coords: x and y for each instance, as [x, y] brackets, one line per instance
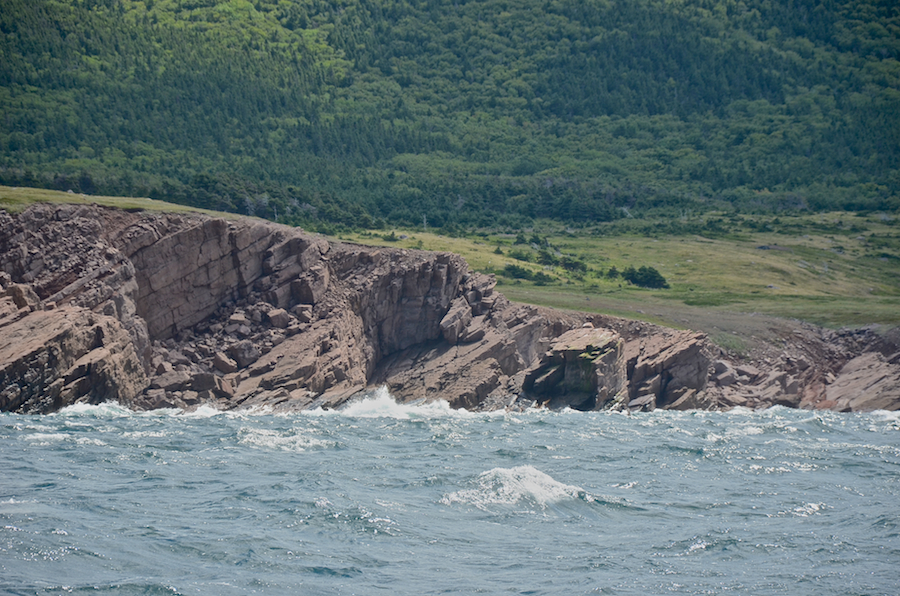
[162, 310]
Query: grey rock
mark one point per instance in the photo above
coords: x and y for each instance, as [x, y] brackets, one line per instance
[279, 317]
[244, 353]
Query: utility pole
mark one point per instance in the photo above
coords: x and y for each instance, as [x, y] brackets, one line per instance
[424, 223]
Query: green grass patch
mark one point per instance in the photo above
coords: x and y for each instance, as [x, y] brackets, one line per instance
[731, 342]
[17, 199]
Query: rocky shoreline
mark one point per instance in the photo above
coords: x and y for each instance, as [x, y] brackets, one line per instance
[161, 310]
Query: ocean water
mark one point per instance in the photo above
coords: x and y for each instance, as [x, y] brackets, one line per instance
[386, 499]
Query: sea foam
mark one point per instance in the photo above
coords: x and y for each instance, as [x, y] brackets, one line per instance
[511, 486]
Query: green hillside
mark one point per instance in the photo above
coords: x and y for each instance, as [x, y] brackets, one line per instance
[464, 113]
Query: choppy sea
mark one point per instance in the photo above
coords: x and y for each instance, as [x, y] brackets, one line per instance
[380, 498]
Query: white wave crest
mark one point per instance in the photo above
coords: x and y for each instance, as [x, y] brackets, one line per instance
[805, 510]
[203, 411]
[45, 439]
[285, 441]
[510, 486]
[381, 404]
[110, 409]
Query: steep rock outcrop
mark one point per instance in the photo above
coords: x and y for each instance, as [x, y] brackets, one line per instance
[50, 359]
[165, 310]
[583, 369]
[666, 368]
[868, 382]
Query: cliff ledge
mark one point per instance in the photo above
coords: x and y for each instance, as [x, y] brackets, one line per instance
[161, 310]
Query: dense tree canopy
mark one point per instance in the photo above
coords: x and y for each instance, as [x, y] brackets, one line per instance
[463, 112]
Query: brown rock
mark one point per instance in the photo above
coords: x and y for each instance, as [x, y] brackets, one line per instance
[867, 382]
[238, 319]
[311, 288]
[748, 370]
[51, 359]
[303, 312]
[645, 403]
[23, 296]
[584, 369]
[171, 381]
[456, 320]
[677, 355]
[223, 363]
[691, 399]
[419, 322]
[729, 377]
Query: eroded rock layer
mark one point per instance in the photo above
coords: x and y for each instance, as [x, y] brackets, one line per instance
[162, 310]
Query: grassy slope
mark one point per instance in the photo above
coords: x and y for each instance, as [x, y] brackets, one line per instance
[828, 269]
[17, 199]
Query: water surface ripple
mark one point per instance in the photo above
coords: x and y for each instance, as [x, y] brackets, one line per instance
[384, 499]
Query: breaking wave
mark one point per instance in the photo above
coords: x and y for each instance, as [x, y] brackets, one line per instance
[511, 486]
[381, 404]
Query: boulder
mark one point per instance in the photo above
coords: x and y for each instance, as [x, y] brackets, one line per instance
[171, 381]
[311, 287]
[729, 377]
[223, 363]
[691, 399]
[278, 317]
[456, 320]
[244, 353]
[303, 312]
[208, 382]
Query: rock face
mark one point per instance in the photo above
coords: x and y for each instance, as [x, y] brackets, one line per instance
[583, 369]
[868, 382]
[159, 310]
[52, 358]
[667, 369]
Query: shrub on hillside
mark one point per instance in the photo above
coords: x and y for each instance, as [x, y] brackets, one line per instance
[645, 277]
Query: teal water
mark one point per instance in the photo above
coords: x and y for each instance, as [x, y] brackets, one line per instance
[388, 499]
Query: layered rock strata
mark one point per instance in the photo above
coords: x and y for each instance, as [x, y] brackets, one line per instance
[163, 310]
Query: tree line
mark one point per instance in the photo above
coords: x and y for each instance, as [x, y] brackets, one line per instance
[469, 113]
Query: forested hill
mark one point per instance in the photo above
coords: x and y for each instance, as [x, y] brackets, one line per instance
[463, 112]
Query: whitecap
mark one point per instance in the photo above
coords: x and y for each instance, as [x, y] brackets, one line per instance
[510, 486]
[145, 434]
[886, 415]
[44, 439]
[14, 501]
[287, 441]
[381, 404]
[203, 411]
[744, 431]
[110, 409]
[805, 510]
[698, 545]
